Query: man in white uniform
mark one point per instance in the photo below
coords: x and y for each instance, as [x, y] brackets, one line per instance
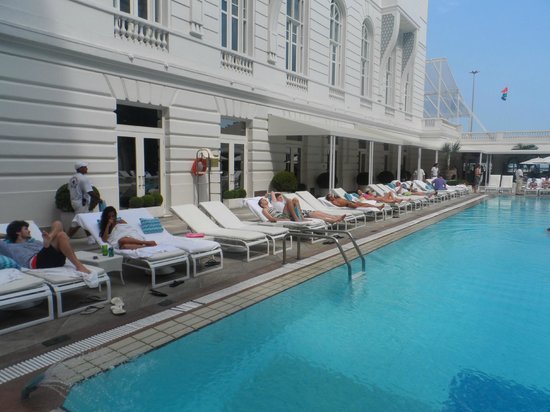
[82, 193]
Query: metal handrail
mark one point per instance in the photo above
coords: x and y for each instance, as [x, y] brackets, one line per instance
[329, 235]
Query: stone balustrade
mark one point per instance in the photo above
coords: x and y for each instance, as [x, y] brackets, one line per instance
[140, 31]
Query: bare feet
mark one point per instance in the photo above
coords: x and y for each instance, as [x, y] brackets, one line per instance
[82, 268]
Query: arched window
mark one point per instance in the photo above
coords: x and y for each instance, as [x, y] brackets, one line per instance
[366, 60]
[234, 25]
[295, 35]
[335, 45]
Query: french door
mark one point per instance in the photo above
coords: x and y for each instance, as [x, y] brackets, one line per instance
[233, 163]
[140, 164]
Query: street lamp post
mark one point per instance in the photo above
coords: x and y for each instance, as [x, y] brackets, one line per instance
[473, 73]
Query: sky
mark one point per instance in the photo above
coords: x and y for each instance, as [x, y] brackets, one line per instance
[508, 42]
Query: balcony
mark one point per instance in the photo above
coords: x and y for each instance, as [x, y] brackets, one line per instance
[236, 62]
[140, 31]
[296, 81]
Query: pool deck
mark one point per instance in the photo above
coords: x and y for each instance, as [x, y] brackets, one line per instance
[83, 345]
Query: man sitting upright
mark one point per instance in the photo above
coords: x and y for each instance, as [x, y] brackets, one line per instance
[31, 253]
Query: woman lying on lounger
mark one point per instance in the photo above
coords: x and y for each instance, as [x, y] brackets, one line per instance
[119, 233]
[289, 209]
[387, 198]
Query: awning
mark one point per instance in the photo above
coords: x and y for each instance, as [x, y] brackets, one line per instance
[284, 126]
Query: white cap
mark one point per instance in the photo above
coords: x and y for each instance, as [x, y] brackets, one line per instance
[78, 165]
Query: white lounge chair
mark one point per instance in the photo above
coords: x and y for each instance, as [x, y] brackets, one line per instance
[396, 207]
[19, 292]
[230, 238]
[66, 280]
[170, 250]
[493, 183]
[355, 217]
[227, 219]
[373, 211]
[310, 224]
[506, 183]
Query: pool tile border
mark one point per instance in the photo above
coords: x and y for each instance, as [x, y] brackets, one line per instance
[89, 357]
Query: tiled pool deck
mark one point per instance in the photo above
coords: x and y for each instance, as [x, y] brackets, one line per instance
[103, 351]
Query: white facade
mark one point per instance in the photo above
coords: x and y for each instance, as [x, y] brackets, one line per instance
[293, 71]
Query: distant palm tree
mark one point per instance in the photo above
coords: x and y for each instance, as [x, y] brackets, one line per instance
[521, 146]
[449, 149]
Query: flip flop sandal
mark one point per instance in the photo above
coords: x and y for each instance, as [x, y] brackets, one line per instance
[211, 263]
[117, 301]
[93, 298]
[117, 310]
[176, 283]
[157, 293]
[91, 309]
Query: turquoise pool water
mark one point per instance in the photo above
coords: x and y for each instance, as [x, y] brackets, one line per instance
[453, 318]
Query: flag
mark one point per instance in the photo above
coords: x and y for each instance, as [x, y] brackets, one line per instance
[504, 93]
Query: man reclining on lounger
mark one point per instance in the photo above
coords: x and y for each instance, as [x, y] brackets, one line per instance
[31, 253]
[290, 209]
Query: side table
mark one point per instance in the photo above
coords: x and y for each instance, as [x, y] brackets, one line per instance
[108, 263]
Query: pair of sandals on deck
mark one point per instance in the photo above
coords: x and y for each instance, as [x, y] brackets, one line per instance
[117, 306]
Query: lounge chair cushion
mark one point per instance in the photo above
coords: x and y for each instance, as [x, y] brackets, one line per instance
[152, 225]
[7, 262]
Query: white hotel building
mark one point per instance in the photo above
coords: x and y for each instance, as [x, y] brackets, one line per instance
[137, 88]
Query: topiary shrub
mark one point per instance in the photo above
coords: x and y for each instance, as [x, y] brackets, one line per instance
[385, 176]
[148, 200]
[284, 181]
[234, 194]
[362, 179]
[323, 180]
[63, 199]
[135, 202]
[158, 198]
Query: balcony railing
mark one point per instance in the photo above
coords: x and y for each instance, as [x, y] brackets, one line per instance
[141, 31]
[515, 137]
[338, 94]
[237, 62]
[296, 81]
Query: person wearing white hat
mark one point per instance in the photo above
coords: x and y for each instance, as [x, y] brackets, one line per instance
[82, 193]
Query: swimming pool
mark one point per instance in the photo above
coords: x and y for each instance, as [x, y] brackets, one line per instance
[452, 318]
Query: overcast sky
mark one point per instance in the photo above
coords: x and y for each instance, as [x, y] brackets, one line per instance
[508, 42]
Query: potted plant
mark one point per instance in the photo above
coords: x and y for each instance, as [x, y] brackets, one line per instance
[284, 181]
[323, 182]
[63, 203]
[362, 180]
[233, 198]
[450, 150]
[385, 177]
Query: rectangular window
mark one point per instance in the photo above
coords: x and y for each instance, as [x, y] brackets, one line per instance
[138, 116]
[144, 9]
[233, 126]
[234, 25]
[294, 36]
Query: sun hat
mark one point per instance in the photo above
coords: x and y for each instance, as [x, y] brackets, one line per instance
[80, 164]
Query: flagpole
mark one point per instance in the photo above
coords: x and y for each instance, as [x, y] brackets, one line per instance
[473, 73]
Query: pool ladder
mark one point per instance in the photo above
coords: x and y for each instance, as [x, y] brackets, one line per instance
[328, 235]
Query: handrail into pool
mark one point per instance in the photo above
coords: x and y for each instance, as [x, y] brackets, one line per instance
[329, 235]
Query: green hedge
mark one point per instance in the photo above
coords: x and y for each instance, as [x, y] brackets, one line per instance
[284, 181]
[234, 194]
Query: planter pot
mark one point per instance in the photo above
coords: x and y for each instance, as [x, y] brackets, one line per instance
[233, 203]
